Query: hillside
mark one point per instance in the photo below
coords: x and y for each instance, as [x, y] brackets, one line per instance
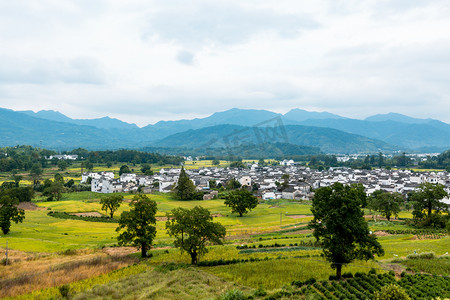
[328, 140]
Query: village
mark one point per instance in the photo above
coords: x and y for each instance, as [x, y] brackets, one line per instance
[285, 181]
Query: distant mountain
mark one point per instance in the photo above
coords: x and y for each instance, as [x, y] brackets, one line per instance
[303, 115]
[405, 135]
[105, 122]
[57, 131]
[328, 140]
[21, 129]
[397, 118]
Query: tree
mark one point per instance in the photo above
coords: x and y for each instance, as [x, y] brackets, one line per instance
[146, 169]
[216, 162]
[111, 202]
[193, 229]
[241, 201]
[62, 164]
[339, 224]
[233, 184]
[426, 197]
[10, 212]
[185, 189]
[36, 172]
[386, 203]
[53, 190]
[137, 224]
[88, 165]
[124, 170]
[285, 183]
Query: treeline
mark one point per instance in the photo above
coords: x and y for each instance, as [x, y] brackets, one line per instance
[26, 158]
[441, 161]
[126, 156]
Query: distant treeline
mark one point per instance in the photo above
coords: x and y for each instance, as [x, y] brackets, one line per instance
[25, 158]
[442, 161]
[127, 156]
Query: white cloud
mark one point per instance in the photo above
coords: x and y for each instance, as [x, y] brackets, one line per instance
[143, 61]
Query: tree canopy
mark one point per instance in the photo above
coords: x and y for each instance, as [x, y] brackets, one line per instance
[427, 198]
[388, 204]
[124, 169]
[137, 224]
[185, 188]
[193, 229]
[340, 226]
[9, 212]
[241, 201]
[111, 202]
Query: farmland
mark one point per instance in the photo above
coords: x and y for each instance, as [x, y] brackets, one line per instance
[266, 249]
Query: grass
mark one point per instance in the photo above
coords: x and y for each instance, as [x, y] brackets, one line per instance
[438, 266]
[41, 234]
[273, 274]
[186, 283]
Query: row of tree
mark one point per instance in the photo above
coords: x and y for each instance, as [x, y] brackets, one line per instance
[193, 229]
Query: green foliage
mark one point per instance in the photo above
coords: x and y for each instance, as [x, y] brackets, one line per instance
[66, 216]
[193, 229]
[233, 184]
[386, 203]
[53, 190]
[425, 255]
[185, 189]
[23, 194]
[137, 224]
[339, 224]
[111, 202]
[64, 290]
[426, 198]
[233, 295]
[241, 201]
[146, 169]
[392, 292]
[238, 164]
[9, 212]
[124, 169]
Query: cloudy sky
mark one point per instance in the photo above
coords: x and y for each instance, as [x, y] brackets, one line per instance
[142, 61]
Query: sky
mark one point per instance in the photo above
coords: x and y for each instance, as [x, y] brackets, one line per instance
[142, 61]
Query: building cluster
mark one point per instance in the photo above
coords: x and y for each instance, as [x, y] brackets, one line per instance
[270, 182]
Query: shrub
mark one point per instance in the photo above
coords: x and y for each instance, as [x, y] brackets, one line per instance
[64, 290]
[332, 277]
[260, 292]
[373, 271]
[233, 295]
[347, 275]
[391, 291]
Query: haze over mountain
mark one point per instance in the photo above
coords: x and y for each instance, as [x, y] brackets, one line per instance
[105, 122]
[329, 132]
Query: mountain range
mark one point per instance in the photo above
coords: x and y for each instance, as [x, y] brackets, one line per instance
[328, 132]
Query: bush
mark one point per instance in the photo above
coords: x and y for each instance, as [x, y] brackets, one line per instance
[233, 295]
[347, 275]
[260, 292]
[64, 290]
[391, 291]
[425, 255]
[373, 271]
[332, 277]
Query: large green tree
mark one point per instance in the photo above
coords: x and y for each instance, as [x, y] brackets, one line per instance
[427, 197]
[137, 224]
[241, 201]
[340, 226]
[193, 229]
[185, 188]
[124, 170]
[111, 202]
[9, 212]
[388, 204]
